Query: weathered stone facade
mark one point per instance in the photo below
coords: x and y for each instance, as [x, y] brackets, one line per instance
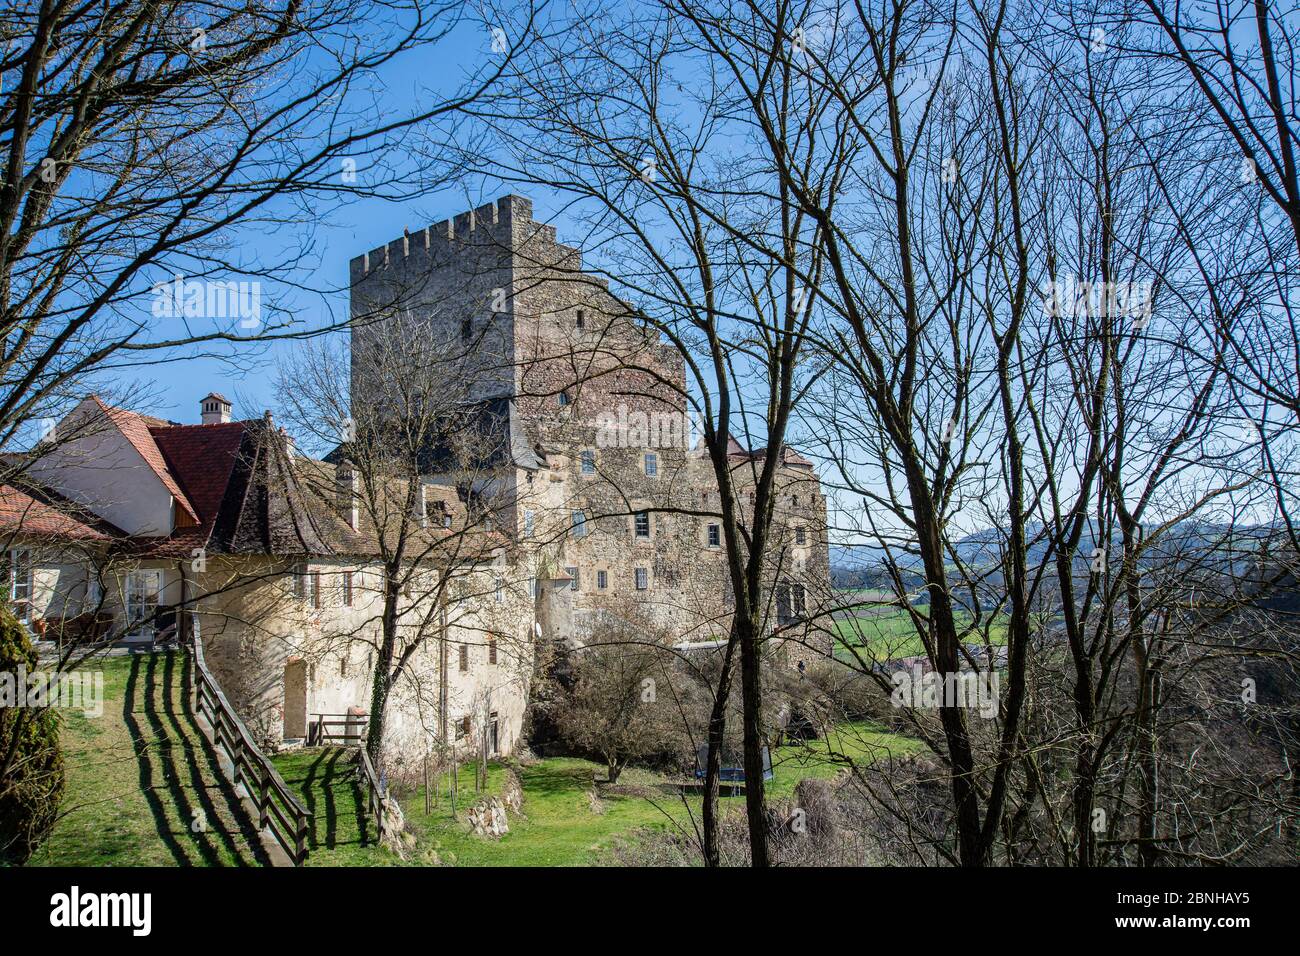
[613, 498]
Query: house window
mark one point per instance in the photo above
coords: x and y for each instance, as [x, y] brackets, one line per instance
[581, 321]
[464, 727]
[602, 580]
[573, 578]
[532, 587]
[500, 590]
[651, 464]
[715, 536]
[94, 590]
[464, 658]
[492, 649]
[643, 524]
[797, 600]
[528, 524]
[466, 330]
[20, 583]
[588, 462]
[314, 582]
[579, 524]
[300, 581]
[143, 589]
[642, 579]
[347, 588]
[800, 536]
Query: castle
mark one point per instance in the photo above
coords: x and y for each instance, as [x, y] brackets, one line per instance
[606, 483]
[133, 528]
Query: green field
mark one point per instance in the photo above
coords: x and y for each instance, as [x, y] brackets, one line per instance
[142, 790]
[891, 634]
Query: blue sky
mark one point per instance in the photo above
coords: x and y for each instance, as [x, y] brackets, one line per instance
[317, 292]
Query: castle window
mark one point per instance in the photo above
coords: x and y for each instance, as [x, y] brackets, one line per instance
[464, 658]
[492, 648]
[715, 536]
[562, 398]
[347, 588]
[800, 536]
[651, 464]
[588, 462]
[642, 579]
[580, 321]
[464, 727]
[602, 580]
[642, 524]
[499, 589]
[573, 578]
[466, 330]
[579, 524]
[528, 524]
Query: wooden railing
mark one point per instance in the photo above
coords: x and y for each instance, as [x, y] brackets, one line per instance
[278, 809]
[322, 732]
[376, 797]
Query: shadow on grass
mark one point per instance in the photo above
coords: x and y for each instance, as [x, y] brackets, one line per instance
[179, 776]
[330, 791]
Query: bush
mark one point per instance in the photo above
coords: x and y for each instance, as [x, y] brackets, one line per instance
[31, 766]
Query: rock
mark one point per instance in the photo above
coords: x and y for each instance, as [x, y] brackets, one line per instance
[488, 818]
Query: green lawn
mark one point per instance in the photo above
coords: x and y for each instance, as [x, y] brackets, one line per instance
[342, 834]
[858, 742]
[141, 788]
[559, 826]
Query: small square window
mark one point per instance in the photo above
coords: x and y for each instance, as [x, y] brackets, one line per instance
[602, 580]
[651, 465]
[643, 524]
[642, 579]
[563, 398]
[715, 536]
[588, 462]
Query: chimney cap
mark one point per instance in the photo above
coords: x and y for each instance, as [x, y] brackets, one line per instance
[218, 396]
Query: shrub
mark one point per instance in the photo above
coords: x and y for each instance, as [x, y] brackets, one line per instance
[31, 766]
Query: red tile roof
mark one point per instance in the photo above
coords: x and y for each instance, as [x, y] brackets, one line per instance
[22, 514]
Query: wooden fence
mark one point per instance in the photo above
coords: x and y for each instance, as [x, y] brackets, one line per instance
[278, 809]
[376, 797]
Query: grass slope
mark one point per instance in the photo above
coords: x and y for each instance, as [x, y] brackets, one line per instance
[141, 784]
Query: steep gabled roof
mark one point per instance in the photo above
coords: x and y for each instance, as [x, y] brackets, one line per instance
[136, 428]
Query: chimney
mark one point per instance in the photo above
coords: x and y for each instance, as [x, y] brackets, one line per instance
[214, 409]
[345, 486]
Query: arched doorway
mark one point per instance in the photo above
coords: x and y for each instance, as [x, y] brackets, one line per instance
[295, 699]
